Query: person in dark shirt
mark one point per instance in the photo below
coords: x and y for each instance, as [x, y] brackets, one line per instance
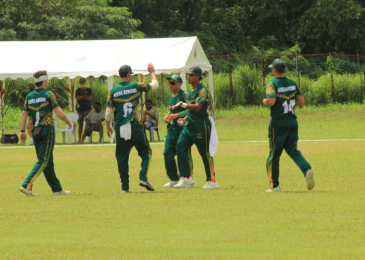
[83, 97]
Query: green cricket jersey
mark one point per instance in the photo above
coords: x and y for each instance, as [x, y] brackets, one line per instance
[40, 104]
[200, 95]
[125, 98]
[181, 96]
[285, 91]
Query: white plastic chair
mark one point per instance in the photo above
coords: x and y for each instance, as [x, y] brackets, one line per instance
[64, 129]
[151, 130]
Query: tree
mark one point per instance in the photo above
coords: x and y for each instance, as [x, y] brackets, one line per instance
[65, 20]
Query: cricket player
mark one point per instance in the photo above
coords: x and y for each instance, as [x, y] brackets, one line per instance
[282, 95]
[125, 98]
[196, 131]
[174, 130]
[40, 104]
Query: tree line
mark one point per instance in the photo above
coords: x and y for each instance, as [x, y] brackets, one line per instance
[222, 26]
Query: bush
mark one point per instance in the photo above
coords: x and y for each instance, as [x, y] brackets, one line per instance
[248, 85]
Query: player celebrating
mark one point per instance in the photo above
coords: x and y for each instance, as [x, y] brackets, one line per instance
[282, 95]
[125, 98]
[197, 131]
[173, 132]
[39, 104]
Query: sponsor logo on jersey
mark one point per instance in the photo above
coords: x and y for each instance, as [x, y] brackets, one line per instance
[125, 92]
[37, 100]
[286, 89]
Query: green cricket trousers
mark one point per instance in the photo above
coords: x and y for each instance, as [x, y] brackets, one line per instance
[123, 149]
[198, 134]
[169, 152]
[44, 144]
[283, 134]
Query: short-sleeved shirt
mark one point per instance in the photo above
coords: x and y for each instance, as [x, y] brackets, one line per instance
[40, 104]
[181, 96]
[83, 104]
[153, 111]
[125, 97]
[199, 95]
[285, 91]
[95, 117]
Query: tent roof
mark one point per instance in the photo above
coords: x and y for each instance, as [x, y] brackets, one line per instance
[96, 58]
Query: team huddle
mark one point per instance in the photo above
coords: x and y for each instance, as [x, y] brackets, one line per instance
[188, 123]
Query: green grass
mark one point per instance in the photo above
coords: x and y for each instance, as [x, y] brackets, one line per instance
[237, 221]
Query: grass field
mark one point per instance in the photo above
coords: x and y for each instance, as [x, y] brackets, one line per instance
[237, 221]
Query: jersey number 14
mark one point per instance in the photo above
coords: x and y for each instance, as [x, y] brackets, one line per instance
[289, 106]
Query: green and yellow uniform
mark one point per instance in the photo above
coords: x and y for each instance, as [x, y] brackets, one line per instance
[125, 97]
[283, 128]
[196, 131]
[40, 104]
[172, 136]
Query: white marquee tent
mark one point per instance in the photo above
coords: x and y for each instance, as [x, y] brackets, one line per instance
[96, 58]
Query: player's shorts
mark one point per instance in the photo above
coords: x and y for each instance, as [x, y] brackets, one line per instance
[82, 116]
[89, 130]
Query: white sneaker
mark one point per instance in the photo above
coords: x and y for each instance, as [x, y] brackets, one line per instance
[125, 191]
[26, 192]
[31, 142]
[62, 192]
[309, 177]
[170, 184]
[210, 185]
[277, 189]
[185, 183]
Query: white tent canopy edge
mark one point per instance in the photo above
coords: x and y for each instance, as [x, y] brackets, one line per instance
[20, 59]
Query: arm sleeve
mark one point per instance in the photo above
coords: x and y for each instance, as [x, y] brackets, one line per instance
[203, 96]
[52, 100]
[143, 87]
[270, 90]
[184, 97]
[25, 107]
[109, 100]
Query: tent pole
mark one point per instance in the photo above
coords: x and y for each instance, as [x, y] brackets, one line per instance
[211, 87]
[183, 76]
[110, 82]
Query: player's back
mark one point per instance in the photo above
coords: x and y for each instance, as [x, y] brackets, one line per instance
[40, 104]
[125, 97]
[286, 91]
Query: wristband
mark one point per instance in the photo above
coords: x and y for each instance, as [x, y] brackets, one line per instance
[22, 131]
[182, 113]
[184, 105]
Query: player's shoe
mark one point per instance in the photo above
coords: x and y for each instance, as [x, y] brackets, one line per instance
[309, 177]
[25, 191]
[185, 182]
[62, 192]
[170, 184]
[31, 142]
[125, 191]
[276, 189]
[147, 185]
[211, 185]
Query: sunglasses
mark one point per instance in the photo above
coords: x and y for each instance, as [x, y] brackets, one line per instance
[172, 83]
[191, 75]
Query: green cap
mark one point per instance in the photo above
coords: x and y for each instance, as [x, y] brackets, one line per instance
[197, 70]
[176, 78]
[277, 64]
[125, 68]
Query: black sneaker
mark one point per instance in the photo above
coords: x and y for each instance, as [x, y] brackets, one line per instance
[147, 185]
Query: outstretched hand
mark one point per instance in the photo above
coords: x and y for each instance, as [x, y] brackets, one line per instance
[150, 67]
[177, 105]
